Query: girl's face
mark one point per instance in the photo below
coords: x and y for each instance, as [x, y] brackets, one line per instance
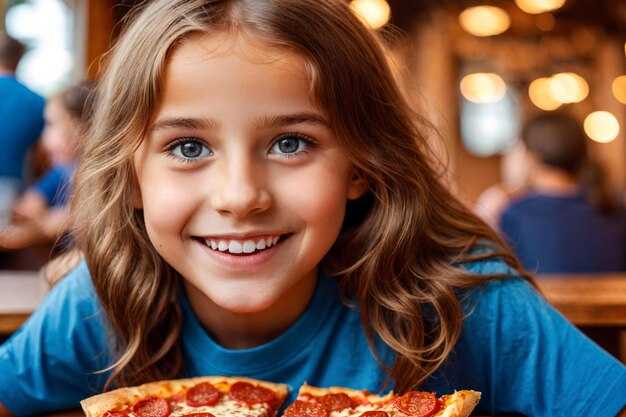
[59, 135]
[242, 183]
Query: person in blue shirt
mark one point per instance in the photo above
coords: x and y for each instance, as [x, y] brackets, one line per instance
[21, 123]
[41, 213]
[255, 198]
[568, 221]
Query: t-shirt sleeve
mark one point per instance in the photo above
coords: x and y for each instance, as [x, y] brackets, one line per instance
[526, 358]
[54, 185]
[52, 362]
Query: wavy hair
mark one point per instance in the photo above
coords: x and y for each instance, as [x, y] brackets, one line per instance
[400, 252]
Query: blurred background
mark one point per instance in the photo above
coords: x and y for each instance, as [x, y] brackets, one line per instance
[479, 69]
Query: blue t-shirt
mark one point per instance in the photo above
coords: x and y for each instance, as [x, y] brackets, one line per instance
[55, 185]
[562, 234]
[516, 349]
[21, 123]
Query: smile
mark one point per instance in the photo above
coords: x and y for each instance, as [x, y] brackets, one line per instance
[247, 246]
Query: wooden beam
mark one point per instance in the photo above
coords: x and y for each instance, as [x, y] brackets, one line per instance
[100, 24]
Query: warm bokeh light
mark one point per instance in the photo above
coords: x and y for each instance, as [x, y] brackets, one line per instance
[539, 6]
[484, 20]
[539, 93]
[545, 21]
[483, 87]
[374, 13]
[619, 88]
[568, 87]
[601, 126]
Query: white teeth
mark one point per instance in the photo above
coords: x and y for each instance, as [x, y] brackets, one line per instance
[235, 247]
[247, 246]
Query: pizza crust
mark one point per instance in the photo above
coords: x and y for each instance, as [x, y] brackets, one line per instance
[459, 404]
[121, 398]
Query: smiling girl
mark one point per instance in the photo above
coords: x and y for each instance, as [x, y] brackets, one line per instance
[256, 198]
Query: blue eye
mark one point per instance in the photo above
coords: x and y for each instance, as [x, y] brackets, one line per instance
[189, 149]
[290, 145]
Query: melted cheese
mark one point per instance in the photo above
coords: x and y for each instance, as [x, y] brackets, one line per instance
[355, 412]
[224, 408]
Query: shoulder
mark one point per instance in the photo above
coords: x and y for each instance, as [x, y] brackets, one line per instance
[513, 283]
[71, 307]
[55, 358]
[71, 304]
[523, 202]
[16, 88]
[510, 298]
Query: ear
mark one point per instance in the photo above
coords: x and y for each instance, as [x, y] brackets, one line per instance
[357, 186]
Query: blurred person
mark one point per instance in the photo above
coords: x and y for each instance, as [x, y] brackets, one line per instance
[569, 221]
[515, 174]
[21, 123]
[40, 214]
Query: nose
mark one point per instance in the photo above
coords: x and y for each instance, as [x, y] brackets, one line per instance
[240, 188]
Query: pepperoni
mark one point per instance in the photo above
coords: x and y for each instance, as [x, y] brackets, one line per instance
[152, 407]
[199, 415]
[115, 413]
[418, 403]
[202, 394]
[251, 394]
[335, 401]
[305, 409]
[374, 414]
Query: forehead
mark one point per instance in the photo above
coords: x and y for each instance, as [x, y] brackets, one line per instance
[226, 47]
[220, 66]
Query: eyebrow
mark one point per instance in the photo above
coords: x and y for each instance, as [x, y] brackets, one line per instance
[266, 121]
[187, 123]
[281, 120]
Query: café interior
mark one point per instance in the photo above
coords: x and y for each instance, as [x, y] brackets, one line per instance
[478, 69]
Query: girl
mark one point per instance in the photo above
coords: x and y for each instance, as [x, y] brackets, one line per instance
[255, 198]
[41, 213]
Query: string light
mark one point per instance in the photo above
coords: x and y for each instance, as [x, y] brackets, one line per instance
[601, 126]
[539, 93]
[568, 87]
[619, 88]
[539, 6]
[483, 87]
[484, 20]
[373, 13]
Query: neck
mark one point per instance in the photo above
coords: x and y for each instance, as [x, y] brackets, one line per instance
[5, 71]
[554, 181]
[233, 330]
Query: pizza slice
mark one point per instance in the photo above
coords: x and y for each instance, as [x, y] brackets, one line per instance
[210, 396]
[346, 402]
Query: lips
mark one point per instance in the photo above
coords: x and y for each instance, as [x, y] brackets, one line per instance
[242, 246]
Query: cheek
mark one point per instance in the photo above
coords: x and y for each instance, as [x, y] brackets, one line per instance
[320, 200]
[167, 209]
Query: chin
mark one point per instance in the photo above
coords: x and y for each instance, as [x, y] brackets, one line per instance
[242, 307]
[247, 302]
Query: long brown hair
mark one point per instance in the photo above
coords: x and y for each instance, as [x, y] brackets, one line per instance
[401, 246]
